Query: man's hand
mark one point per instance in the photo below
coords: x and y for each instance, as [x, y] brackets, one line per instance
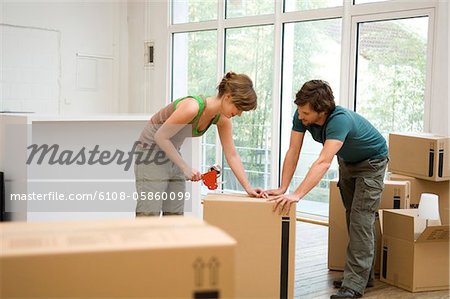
[275, 192]
[283, 202]
[257, 192]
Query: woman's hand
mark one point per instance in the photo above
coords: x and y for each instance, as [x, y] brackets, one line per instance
[192, 174]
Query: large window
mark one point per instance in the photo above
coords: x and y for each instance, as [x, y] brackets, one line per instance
[255, 61]
[194, 63]
[311, 50]
[376, 57]
[194, 69]
[391, 73]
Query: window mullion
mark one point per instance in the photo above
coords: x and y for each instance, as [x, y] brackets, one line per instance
[276, 96]
[348, 58]
[311, 15]
[191, 27]
[249, 21]
[220, 70]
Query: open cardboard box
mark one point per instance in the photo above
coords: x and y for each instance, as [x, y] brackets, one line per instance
[415, 257]
[419, 186]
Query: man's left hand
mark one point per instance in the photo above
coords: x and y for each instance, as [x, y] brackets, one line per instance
[283, 202]
[257, 192]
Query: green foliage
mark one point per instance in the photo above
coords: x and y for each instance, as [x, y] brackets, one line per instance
[202, 62]
[250, 51]
[201, 10]
[392, 94]
[237, 8]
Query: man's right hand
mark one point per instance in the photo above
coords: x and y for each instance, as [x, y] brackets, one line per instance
[275, 192]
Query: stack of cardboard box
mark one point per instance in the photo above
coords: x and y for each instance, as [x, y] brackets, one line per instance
[396, 195]
[173, 257]
[415, 256]
[419, 163]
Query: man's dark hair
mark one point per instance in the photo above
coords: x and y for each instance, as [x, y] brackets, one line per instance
[318, 94]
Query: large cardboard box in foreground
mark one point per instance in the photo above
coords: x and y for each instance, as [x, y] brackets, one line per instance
[265, 257]
[395, 195]
[172, 257]
[424, 156]
[419, 186]
[415, 257]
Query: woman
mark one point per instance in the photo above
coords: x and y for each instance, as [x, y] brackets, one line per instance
[190, 116]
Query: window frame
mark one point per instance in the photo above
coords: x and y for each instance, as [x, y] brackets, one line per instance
[356, 20]
[351, 15]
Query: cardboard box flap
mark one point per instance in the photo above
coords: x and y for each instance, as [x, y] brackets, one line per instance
[420, 135]
[17, 227]
[434, 234]
[401, 224]
[134, 236]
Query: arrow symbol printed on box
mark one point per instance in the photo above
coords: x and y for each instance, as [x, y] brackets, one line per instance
[198, 272]
[213, 266]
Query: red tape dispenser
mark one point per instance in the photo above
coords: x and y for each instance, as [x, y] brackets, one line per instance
[210, 178]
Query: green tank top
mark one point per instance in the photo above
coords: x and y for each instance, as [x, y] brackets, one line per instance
[201, 107]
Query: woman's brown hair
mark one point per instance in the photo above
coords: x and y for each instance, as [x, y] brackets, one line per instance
[240, 87]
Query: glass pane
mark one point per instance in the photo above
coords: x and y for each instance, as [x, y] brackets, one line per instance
[244, 8]
[194, 73]
[194, 63]
[252, 131]
[187, 11]
[296, 5]
[394, 50]
[311, 50]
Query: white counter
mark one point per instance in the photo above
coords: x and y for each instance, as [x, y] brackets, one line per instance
[25, 176]
[31, 117]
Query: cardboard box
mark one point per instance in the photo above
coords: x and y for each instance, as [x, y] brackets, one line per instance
[172, 257]
[415, 257]
[424, 156]
[265, 256]
[419, 186]
[395, 195]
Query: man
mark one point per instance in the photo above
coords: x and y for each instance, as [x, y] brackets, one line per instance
[362, 156]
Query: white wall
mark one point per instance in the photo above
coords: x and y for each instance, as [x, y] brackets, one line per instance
[157, 24]
[148, 85]
[95, 80]
[136, 37]
[440, 106]
[448, 67]
[31, 68]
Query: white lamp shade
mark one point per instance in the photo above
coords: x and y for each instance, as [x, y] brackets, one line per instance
[429, 206]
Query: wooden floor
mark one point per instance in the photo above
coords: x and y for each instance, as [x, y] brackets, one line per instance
[314, 280]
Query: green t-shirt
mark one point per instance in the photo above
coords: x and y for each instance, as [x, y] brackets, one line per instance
[361, 140]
